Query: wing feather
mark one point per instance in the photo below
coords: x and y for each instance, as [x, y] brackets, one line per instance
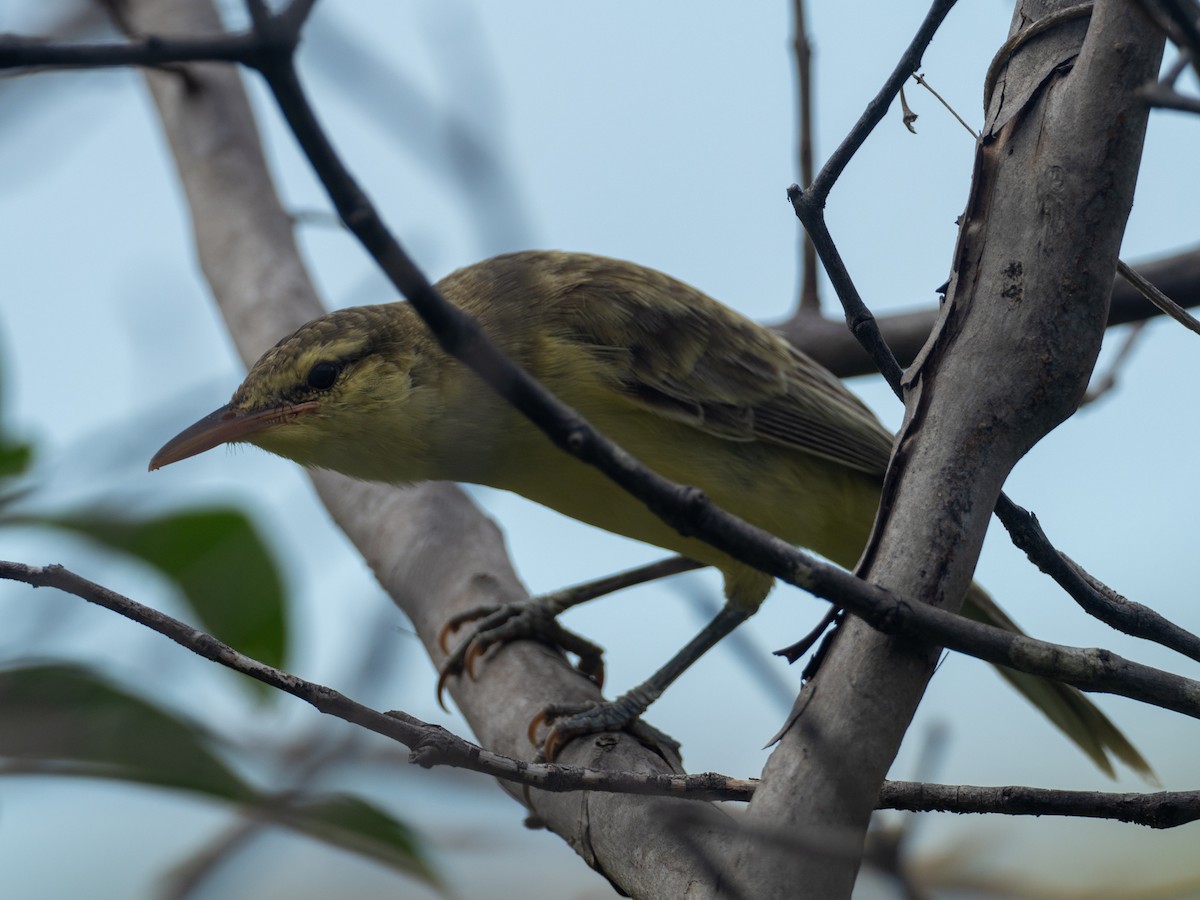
[698, 362]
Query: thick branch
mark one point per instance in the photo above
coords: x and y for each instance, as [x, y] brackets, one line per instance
[431, 549]
[1010, 358]
[828, 341]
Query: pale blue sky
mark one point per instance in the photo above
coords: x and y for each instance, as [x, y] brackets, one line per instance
[663, 133]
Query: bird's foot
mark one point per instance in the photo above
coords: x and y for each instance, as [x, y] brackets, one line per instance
[532, 619]
[567, 721]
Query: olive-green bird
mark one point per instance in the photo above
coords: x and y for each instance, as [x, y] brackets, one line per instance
[694, 390]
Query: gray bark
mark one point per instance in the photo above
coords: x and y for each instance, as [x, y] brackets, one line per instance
[429, 546]
[1008, 360]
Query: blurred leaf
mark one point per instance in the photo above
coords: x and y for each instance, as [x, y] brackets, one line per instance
[220, 563]
[70, 721]
[358, 826]
[69, 715]
[14, 458]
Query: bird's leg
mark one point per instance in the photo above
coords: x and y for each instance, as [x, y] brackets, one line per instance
[571, 720]
[536, 619]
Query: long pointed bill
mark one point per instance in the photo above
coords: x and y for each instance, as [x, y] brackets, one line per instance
[223, 426]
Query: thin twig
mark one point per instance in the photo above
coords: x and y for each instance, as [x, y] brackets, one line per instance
[1165, 98]
[1108, 380]
[920, 79]
[809, 203]
[433, 745]
[810, 298]
[430, 744]
[1164, 809]
[1095, 598]
[909, 62]
[1158, 298]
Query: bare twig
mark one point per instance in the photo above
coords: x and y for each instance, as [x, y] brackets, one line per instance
[1158, 298]
[877, 108]
[809, 203]
[1164, 809]
[810, 299]
[920, 79]
[1094, 597]
[1108, 380]
[430, 744]
[1165, 98]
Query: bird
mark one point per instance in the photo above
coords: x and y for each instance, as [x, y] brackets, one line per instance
[699, 393]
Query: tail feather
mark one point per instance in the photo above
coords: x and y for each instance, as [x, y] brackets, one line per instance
[1066, 706]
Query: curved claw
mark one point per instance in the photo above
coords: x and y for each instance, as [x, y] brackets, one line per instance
[475, 650]
[556, 737]
[443, 676]
[534, 724]
[554, 743]
[458, 620]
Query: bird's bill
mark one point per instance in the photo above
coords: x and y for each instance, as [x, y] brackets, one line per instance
[223, 426]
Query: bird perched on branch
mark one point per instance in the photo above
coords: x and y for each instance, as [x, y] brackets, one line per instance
[697, 392]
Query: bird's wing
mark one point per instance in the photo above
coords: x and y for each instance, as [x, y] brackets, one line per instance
[695, 361]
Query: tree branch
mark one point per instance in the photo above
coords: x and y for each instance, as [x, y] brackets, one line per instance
[829, 342]
[431, 549]
[433, 745]
[1009, 359]
[1165, 809]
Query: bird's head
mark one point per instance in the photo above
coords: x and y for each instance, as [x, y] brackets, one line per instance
[344, 392]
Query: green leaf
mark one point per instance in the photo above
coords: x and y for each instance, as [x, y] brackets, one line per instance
[15, 458]
[68, 720]
[356, 825]
[219, 562]
[70, 716]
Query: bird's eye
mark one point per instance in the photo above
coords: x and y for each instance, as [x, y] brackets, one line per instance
[322, 375]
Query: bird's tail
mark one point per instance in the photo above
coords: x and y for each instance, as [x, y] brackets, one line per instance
[1066, 706]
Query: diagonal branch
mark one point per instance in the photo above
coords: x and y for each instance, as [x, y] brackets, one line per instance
[429, 546]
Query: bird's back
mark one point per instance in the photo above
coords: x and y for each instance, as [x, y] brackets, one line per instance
[696, 391]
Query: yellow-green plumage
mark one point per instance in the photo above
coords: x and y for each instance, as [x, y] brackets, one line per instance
[696, 391]
[701, 394]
